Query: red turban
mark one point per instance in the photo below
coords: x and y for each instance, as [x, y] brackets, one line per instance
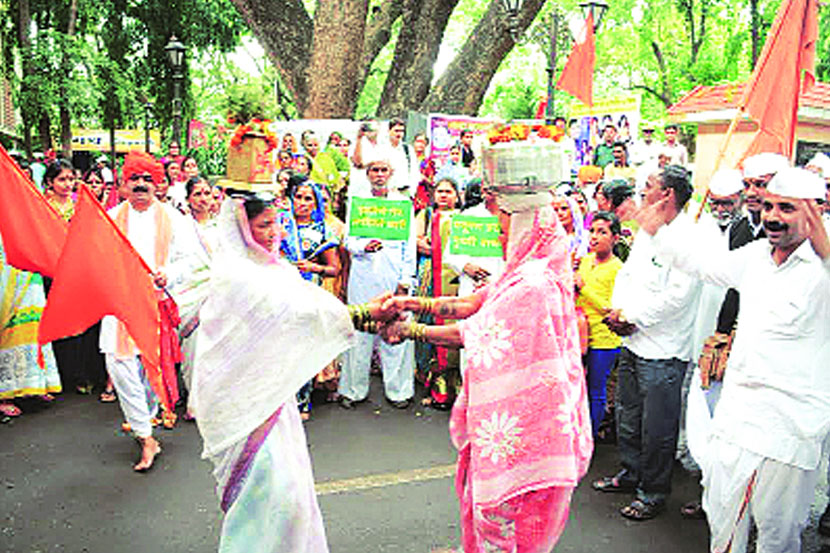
[140, 163]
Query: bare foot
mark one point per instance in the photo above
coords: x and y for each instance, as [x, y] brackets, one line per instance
[150, 448]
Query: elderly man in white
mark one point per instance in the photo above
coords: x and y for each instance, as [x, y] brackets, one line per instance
[379, 266]
[774, 414]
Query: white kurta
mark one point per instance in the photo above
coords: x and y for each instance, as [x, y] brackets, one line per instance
[657, 298]
[141, 231]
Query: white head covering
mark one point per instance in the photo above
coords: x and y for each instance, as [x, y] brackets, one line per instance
[795, 182]
[264, 332]
[765, 163]
[521, 174]
[822, 162]
[726, 182]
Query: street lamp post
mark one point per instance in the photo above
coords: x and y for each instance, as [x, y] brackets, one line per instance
[512, 8]
[554, 32]
[596, 9]
[175, 55]
[147, 107]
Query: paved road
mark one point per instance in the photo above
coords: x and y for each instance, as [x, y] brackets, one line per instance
[383, 478]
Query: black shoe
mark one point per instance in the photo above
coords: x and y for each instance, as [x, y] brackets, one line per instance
[824, 522]
[403, 404]
[347, 403]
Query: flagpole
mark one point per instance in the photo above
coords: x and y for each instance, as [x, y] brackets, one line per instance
[721, 154]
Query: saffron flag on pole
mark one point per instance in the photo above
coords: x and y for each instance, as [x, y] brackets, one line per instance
[577, 77]
[785, 69]
[33, 232]
[100, 273]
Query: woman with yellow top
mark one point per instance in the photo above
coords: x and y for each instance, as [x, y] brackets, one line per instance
[59, 184]
[595, 283]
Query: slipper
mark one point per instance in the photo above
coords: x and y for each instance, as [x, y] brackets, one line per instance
[10, 410]
[107, 396]
[693, 510]
[640, 510]
[612, 484]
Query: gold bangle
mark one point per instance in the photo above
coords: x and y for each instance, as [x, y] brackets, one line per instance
[418, 332]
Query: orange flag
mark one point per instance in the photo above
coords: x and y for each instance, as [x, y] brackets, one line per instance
[33, 232]
[577, 77]
[100, 273]
[771, 97]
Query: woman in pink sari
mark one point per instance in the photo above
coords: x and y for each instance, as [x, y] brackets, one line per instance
[521, 423]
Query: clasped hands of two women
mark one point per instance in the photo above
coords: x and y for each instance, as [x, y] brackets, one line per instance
[390, 312]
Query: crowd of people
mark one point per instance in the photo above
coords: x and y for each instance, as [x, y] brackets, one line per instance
[611, 293]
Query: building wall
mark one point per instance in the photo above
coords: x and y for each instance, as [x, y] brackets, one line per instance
[710, 137]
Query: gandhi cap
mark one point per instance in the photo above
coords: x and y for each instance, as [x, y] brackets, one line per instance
[795, 182]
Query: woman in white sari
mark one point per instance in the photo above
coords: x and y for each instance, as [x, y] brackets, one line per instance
[264, 332]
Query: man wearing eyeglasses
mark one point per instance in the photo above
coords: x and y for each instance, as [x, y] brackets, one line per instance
[379, 266]
[159, 234]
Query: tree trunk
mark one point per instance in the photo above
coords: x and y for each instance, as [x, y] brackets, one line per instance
[285, 31]
[462, 87]
[45, 132]
[66, 70]
[754, 24]
[335, 63]
[410, 77]
[378, 33]
[24, 22]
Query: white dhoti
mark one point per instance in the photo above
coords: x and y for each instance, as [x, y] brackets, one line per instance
[137, 399]
[739, 484]
[397, 363]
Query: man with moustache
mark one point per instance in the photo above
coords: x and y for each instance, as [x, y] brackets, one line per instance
[758, 170]
[774, 414]
[159, 234]
[379, 266]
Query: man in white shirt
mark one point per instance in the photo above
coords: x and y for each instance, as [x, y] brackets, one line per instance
[774, 413]
[679, 154]
[379, 266]
[654, 306]
[401, 158]
[160, 236]
[645, 151]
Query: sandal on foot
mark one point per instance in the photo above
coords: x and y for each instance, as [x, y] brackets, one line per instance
[10, 410]
[693, 510]
[107, 396]
[612, 484]
[640, 510]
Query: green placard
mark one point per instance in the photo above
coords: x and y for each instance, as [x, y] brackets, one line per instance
[475, 236]
[380, 218]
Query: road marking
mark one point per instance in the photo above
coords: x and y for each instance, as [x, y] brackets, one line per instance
[383, 480]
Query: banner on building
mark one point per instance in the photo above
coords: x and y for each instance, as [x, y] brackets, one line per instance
[586, 124]
[126, 140]
[445, 130]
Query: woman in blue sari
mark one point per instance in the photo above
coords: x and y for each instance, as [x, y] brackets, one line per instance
[311, 246]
